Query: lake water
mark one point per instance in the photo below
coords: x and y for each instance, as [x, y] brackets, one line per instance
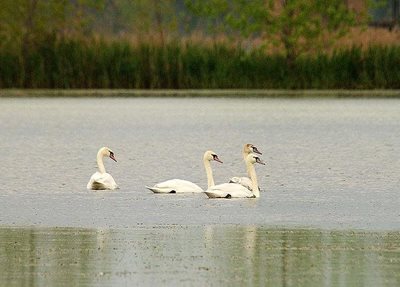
[328, 212]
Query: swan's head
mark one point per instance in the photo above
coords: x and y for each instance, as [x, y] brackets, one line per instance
[249, 148]
[253, 158]
[105, 151]
[210, 155]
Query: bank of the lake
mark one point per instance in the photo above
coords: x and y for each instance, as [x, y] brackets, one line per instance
[212, 93]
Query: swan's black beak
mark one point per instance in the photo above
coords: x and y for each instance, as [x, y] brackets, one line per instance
[215, 157]
[112, 157]
[255, 150]
[258, 160]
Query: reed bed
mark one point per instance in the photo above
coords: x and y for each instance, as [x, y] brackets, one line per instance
[99, 64]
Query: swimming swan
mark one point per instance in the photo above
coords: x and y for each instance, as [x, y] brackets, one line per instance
[245, 181]
[234, 190]
[100, 179]
[179, 185]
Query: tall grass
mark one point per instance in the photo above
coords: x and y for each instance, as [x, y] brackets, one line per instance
[70, 64]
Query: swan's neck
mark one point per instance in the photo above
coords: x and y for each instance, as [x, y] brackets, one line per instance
[210, 178]
[248, 171]
[253, 177]
[245, 154]
[100, 163]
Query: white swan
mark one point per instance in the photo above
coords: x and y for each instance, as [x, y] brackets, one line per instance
[101, 180]
[245, 181]
[179, 185]
[234, 190]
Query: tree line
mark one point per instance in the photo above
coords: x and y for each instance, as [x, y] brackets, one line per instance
[41, 38]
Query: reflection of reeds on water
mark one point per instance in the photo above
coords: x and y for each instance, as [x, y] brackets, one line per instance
[199, 255]
[304, 257]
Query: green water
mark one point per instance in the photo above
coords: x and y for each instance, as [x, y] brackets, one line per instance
[213, 255]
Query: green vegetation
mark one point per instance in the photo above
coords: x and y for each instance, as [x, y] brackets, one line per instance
[100, 64]
[295, 27]
[148, 44]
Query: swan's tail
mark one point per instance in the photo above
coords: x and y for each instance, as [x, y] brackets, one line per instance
[153, 189]
[212, 194]
[98, 186]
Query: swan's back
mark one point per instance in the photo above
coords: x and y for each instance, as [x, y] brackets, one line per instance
[175, 186]
[244, 181]
[102, 181]
[229, 190]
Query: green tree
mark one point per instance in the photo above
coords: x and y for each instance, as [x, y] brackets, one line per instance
[295, 27]
[234, 18]
[25, 23]
[148, 20]
[307, 25]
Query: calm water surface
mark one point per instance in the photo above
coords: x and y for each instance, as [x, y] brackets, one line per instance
[329, 197]
[198, 256]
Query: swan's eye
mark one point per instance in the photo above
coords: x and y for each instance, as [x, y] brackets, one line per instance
[214, 156]
[111, 153]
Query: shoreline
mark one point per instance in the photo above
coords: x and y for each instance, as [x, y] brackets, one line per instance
[202, 93]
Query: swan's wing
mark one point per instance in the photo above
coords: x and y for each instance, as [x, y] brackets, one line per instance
[175, 186]
[229, 190]
[244, 181]
[101, 181]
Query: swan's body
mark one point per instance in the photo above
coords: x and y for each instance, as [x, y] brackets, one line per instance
[175, 186]
[245, 181]
[101, 180]
[234, 190]
[181, 186]
[229, 190]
